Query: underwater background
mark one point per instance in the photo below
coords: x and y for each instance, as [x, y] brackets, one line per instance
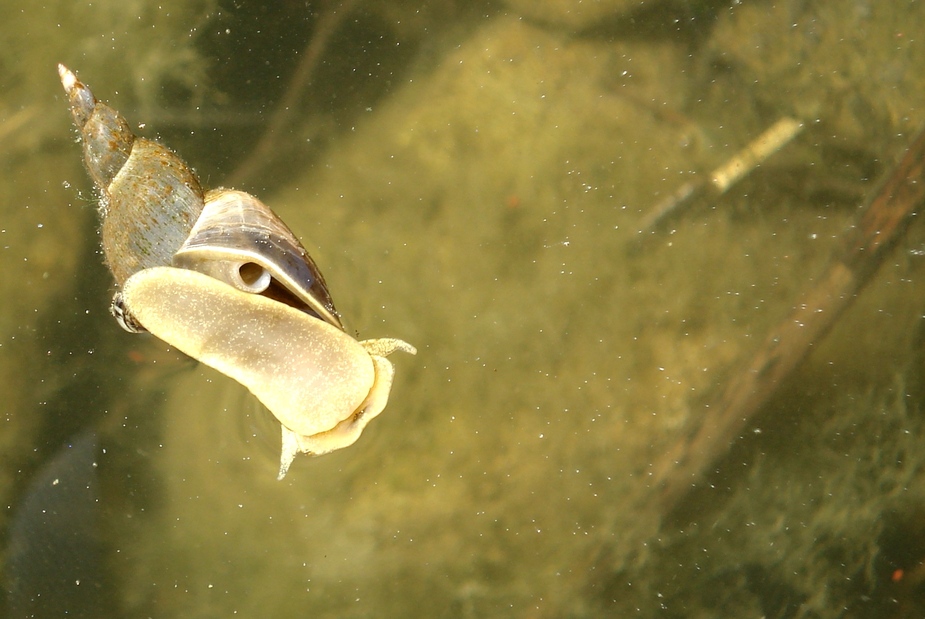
[472, 177]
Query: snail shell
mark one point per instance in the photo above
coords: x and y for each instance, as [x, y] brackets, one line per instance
[155, 213]
[220, 277]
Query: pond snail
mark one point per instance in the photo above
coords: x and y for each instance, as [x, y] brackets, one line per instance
[217, 275]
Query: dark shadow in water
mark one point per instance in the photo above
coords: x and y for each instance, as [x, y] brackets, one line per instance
[55, 562]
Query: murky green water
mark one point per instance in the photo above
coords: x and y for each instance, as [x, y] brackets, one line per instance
[471, 180]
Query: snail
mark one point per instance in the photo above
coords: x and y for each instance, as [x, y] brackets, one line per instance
[218, 275]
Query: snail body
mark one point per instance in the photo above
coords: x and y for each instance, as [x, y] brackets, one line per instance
[220, 277]
[319, 411]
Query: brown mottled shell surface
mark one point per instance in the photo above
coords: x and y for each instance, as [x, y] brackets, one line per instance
[151, 206]
[149, 198]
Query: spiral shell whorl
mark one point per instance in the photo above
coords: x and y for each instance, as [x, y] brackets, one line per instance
[151, 206]
[107, 142]
[107, 138]
[149, 198]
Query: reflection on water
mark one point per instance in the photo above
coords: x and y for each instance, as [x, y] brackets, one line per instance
[481, 206]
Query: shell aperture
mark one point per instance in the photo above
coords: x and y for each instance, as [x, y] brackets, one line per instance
[235, 230]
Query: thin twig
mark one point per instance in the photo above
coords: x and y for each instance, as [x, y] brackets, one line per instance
[13, 123]
[722, 178]
[263, 151]
[882, 223]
